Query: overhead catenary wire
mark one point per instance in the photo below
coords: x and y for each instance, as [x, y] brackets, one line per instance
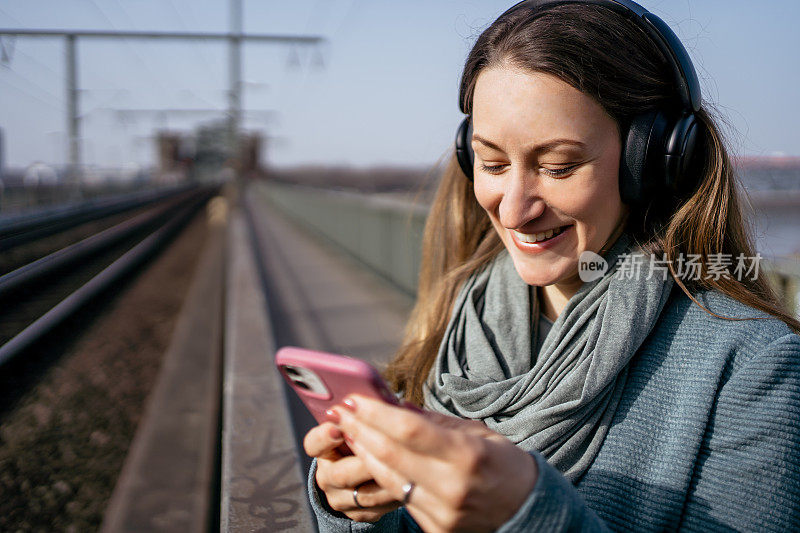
[36, 86]
[33, 97]
[196, 48]
[74, 36]
[127, 15]
[33, 60]
[141, 60]
[130, 46]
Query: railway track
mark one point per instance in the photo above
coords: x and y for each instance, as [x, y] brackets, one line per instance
[39, 295]
[30, 236]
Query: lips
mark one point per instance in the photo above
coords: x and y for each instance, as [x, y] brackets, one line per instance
[543, 236]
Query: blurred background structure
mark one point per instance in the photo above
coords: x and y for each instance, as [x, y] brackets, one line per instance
[187, 184]
[332, 84]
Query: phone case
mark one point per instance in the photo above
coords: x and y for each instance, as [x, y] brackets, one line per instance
[340, 375]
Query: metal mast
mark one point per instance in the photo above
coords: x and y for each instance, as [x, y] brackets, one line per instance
[235, 37]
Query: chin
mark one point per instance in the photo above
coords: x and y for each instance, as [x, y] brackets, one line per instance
[541, 271]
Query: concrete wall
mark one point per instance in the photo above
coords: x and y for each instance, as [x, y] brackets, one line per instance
[383, 233]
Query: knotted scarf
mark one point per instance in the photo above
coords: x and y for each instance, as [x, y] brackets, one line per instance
[560, 401]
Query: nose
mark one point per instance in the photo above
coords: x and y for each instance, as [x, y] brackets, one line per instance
[521, 201]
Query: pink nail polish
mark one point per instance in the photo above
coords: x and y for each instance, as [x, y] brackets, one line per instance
[350, 404]
[336, 434]
[332, 416]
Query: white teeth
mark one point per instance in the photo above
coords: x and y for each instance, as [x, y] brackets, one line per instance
[531, 238]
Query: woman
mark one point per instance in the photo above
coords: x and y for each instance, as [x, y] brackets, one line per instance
[663, 393]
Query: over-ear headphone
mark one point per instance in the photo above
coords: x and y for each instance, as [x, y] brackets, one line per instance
[660, 142]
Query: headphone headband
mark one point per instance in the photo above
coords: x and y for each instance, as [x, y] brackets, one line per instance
[658, 143]
[660, 33]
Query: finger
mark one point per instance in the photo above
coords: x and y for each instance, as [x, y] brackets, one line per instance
[322, 439]
[415, 431]
[370, 496]
[476, 427]
[441, 478]
[426, 507]
[370, 515]
[386, 453]
[342, 473]
[424, 503]
[384, 475]
[424, 432]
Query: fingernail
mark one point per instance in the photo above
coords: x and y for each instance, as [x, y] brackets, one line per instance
[350, 404]
[335, 433]
[348, 440]
[332, 416]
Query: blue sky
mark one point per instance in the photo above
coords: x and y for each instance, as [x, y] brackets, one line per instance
[387, 93]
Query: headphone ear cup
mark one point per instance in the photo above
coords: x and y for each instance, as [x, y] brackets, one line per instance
[464, 153]
[679, 151]
[640, 173]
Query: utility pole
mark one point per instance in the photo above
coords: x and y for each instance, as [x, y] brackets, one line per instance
[2, 163]
[235, 37]
[235, 74]
[73, 120]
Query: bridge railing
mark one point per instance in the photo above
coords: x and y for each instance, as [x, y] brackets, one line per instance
[784, 274]
[383, 232]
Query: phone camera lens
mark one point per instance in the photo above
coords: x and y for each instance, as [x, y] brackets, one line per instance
[302, 384]
[291, 371]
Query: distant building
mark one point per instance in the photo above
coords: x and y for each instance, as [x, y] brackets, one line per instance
[770, 173]
[773, 192]
[39, 174]
[174, 164]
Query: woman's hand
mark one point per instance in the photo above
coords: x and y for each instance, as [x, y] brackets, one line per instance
[338, 475]
[465, 477]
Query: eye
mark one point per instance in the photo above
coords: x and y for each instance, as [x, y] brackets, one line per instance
[558, 172]
[493, 169]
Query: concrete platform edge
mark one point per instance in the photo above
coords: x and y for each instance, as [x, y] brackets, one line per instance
[261, 487]
[166, 481]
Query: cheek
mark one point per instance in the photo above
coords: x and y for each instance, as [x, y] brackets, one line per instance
[594, 200]
[486, 195]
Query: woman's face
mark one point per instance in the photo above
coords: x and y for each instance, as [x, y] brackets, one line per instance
[546, 170]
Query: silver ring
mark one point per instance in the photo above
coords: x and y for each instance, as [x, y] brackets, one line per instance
[355, 497]
[408, 488]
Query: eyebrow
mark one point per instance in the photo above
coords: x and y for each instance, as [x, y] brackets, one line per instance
[549, 145]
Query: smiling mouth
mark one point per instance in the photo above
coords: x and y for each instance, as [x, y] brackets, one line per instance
[531, 238]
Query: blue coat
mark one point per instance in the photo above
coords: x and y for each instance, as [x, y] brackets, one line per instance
[706, 436]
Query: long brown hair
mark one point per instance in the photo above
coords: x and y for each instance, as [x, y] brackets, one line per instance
[609, 58]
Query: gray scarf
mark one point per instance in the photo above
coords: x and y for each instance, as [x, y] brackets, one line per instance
[560, 401]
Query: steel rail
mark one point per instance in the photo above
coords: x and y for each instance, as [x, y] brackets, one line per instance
[87, 247]
[102, 281]
[33, 226]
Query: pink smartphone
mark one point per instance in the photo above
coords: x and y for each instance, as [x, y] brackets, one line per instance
[323, 380]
